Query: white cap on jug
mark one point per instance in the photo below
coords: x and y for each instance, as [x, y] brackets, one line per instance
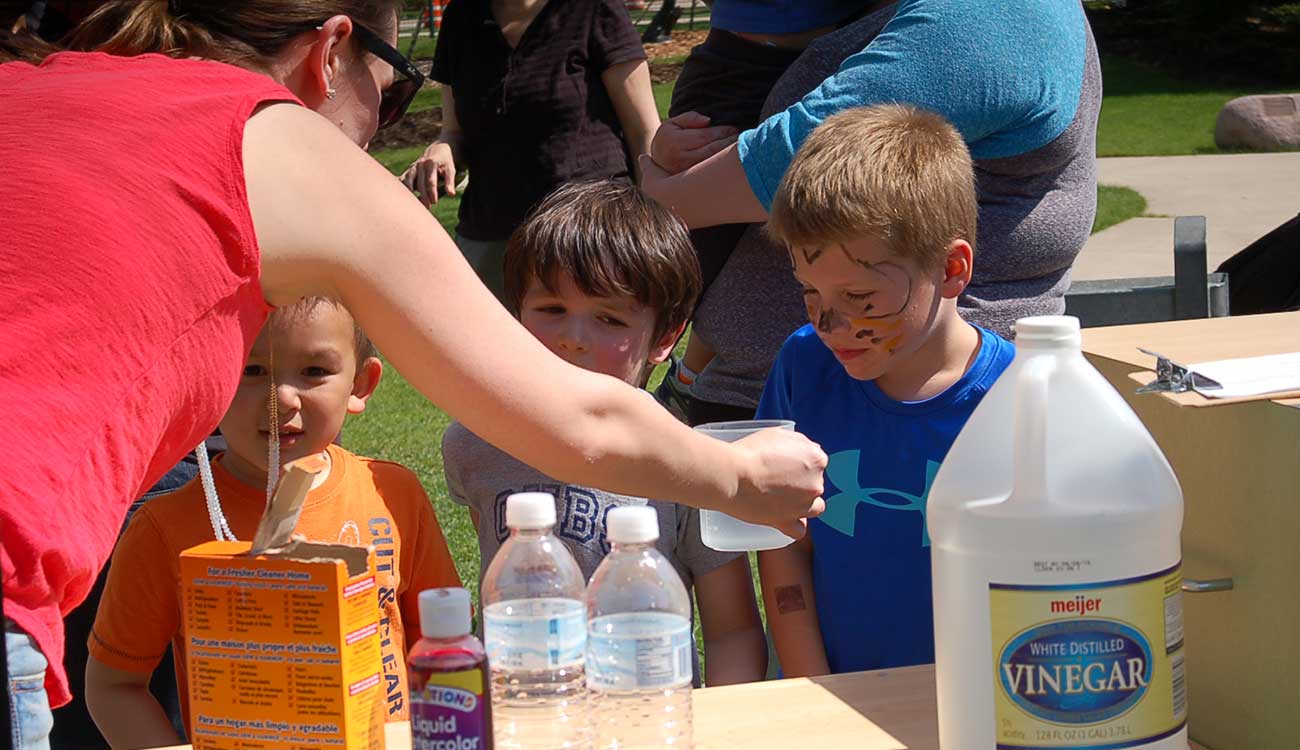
[530, 510]
[444, 613]
[1047, 328]
[632, 524]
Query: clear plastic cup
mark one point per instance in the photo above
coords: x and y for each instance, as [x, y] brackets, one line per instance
[717, 529]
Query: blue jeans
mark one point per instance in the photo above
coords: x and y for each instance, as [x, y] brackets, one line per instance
[30, 718]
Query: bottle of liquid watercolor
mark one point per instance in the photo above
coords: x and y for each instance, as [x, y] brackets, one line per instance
[450, 707]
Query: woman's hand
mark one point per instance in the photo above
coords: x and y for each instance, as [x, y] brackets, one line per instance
[424, 174]
[687, 139]
[781, 482]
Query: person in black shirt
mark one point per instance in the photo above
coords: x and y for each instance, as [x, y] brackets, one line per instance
[535, 94]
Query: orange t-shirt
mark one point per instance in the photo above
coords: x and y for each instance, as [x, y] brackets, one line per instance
[363, 501]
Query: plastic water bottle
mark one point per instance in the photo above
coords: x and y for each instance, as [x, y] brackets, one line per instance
[639, 642]
[535, 630]
[450, 709]
[1055, 525]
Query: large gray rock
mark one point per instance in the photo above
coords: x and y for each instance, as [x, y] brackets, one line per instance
[1265, 122]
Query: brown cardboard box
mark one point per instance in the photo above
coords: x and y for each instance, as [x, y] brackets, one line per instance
[1239, 465]
[283, 637]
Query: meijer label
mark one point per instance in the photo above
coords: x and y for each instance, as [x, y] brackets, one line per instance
[1089, 666]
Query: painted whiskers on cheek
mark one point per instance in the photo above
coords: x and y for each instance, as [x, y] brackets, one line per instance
[883, 312]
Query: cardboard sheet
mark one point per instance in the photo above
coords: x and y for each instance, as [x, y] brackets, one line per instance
[1203, 340]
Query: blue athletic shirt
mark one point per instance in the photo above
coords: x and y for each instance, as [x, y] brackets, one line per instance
[1007, 73]
[780, 16]
[871, 553]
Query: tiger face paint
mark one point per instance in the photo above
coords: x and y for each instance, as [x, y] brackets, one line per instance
[868, 305]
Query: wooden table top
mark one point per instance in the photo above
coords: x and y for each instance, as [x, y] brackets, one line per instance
[891, 709]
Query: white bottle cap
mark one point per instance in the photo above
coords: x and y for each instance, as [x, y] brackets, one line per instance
[530, 510]
[444, 613]
[632, 524]
[1047, 328]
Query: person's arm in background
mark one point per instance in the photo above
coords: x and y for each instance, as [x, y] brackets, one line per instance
[922, 56]
[735, 648]
[628, 86]
[435, 170]
[713, 192]
[788, 599]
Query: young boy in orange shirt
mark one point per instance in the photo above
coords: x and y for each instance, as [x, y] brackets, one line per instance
[323, 368]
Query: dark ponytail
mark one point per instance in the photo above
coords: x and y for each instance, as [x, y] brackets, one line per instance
[17, 41]
[138, 26]
[242, 32]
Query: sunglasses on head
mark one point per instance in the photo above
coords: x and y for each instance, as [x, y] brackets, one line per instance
[397, 97]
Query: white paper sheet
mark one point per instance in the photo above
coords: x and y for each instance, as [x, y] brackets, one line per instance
[1251, 376]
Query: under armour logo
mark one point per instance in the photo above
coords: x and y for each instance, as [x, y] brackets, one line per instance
[842, 508]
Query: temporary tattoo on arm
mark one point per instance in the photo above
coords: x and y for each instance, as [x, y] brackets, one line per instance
[790, 599]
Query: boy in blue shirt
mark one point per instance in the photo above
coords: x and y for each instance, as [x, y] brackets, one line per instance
[878, 212]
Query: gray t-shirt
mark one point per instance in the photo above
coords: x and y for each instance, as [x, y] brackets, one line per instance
[481, 477]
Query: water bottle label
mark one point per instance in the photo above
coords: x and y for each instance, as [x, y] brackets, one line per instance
[636, 651]
[1089, 665]
[535, 633]
[450, 714]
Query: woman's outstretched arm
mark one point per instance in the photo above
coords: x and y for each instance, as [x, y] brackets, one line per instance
[330, 220]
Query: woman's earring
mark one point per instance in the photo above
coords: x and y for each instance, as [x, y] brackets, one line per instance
[330, 93]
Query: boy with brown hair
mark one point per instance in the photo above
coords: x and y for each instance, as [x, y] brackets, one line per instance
[878, 213]
[323, 368]
[606, 278]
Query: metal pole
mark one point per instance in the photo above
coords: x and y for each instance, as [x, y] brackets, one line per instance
[661, 26]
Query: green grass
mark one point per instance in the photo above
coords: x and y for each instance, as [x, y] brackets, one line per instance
[1146, 112]
[663, 97]
[1116, 204]
[428, 98]
[424, 46]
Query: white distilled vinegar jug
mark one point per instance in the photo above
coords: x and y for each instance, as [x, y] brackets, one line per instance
[1054, 525]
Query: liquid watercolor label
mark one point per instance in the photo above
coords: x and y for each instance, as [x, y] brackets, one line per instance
[1089, 666]
[448, 714]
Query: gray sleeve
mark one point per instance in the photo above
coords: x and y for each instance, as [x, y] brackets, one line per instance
[455, 455]
[697, 558]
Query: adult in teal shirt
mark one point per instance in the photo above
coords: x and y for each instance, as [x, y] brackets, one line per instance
[1021, 82]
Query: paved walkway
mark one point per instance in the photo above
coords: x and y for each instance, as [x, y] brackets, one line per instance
[1241, 196]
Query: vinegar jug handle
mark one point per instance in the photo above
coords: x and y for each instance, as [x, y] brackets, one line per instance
[1029, 425]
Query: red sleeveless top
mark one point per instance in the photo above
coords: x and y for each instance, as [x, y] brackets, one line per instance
[129, 299]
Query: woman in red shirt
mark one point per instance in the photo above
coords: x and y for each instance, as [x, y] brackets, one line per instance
[155, 207]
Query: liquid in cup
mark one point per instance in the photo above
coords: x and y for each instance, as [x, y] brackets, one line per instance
[727, 534]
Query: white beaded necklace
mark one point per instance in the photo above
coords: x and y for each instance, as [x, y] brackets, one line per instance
[220, 527]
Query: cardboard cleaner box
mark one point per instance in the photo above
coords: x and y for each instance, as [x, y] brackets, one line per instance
[283, 638]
